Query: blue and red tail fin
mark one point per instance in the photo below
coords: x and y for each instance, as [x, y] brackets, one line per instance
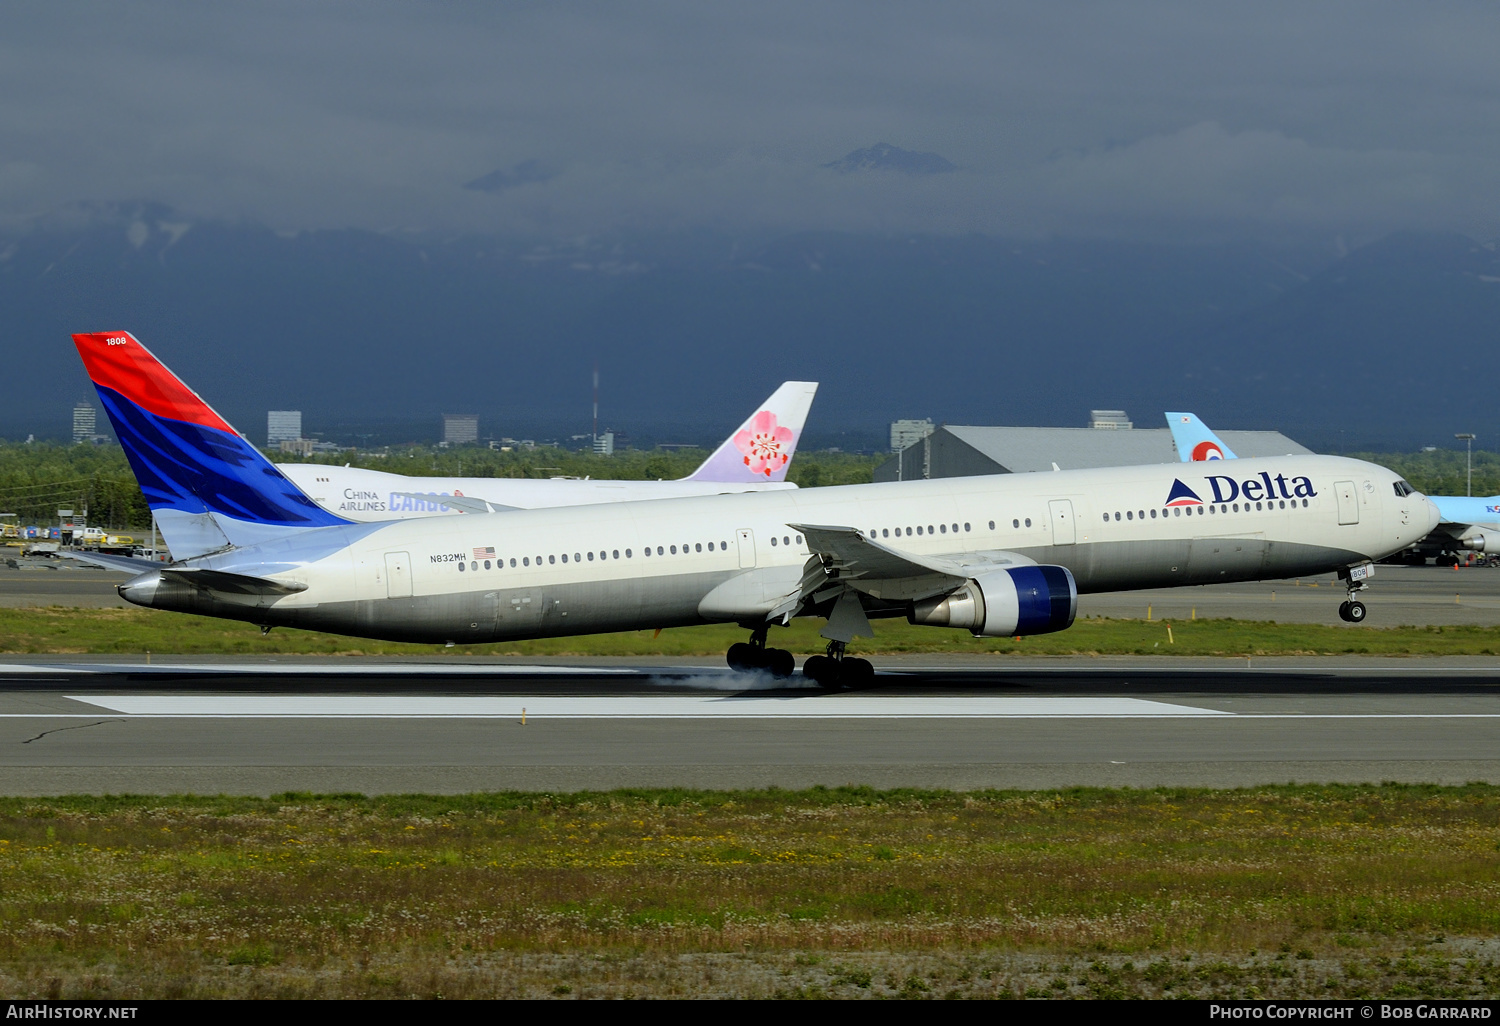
[762, 449]
[208, 486]
[1195, 442]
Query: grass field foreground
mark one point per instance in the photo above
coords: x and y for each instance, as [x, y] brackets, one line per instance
[1286, 891]
[64, 630]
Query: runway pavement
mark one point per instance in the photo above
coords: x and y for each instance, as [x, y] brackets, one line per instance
[388, 725]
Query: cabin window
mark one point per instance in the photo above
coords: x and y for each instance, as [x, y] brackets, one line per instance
[992, 525]
[460, 568]
[710, 546]
[486, 564]
[1106, 518]
[577, 557]
[885, 533]
[627, 553]
[966, 527]
[617, 553]
[565, 557]
[1129, 515]
[660, 551]
[552, 559]
[698, 547]
[919, 530]
[943, 528]
[1153, 514]
[908, 532]
[1117, 514]
[955, 528]
[525, 560]
[929, 529]
[591, 557]
[723, 546]
[1257, 505]
[787, 541]
[1028, 521]
[674, 550]
[773, 539]
[512, 560]
[1177, 512]
[648, 550]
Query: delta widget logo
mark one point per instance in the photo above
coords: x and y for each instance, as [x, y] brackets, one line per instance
[1182, 495]
[764, 444]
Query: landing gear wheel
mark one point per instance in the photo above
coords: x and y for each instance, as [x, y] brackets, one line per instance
[821, 669]
[780, 662]
[858, 672]
[1356, 612]
[742, 656]
[1343, 611]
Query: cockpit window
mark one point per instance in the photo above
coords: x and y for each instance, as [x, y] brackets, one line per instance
[1403, 488]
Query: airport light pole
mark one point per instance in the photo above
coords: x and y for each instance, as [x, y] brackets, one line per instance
[1468, 441]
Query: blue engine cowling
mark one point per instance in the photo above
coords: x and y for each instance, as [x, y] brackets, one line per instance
[1005, 603]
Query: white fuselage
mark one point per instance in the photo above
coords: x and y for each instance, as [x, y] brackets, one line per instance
[368, 496]
[734, 558]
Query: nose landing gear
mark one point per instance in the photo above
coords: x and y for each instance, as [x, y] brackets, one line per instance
[835, 669]
[1357, 579]
[756, 656]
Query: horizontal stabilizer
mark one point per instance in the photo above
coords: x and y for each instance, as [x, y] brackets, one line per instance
[124, 564]
[234, 584]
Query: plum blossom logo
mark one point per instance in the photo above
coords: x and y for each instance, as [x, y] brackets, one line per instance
[764, 444]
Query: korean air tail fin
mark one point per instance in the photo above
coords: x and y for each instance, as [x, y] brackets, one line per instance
[761, 450]
[209, 488]
[1195, 442]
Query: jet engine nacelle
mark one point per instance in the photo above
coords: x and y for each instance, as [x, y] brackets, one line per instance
[1005, 603]
[1477, 543]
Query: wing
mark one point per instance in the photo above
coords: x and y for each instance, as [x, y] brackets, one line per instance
[843, 556]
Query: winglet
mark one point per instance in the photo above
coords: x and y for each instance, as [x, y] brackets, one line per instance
[206, 483]
[761, 450]
[1195, 442]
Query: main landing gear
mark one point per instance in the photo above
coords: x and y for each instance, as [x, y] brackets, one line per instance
[835, 669]
[756, 656]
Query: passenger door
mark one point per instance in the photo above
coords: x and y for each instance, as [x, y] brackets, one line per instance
[397, 575]
[1348, 502]
[1063, 531]
[746, 538]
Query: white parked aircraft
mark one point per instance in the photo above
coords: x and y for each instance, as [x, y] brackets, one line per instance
[754, 458]
[1000, 556]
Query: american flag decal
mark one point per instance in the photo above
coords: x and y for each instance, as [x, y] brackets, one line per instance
[488, 552]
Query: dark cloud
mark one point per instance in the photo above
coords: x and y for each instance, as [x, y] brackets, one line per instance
[1149, 118]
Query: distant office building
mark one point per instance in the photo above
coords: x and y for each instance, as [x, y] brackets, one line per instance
[283, 426]
[1109, 420]
[297, 446]
[84, 420]
[460, 427]
[604, 445]
[906, 433]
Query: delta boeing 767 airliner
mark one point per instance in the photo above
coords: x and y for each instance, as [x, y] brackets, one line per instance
[1000, 556]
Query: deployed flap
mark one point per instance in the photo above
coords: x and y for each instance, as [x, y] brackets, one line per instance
[236, 584]
[875, 569]
[462, 503]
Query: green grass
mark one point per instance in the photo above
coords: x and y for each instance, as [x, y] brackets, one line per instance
[59, 630]
[1297, 891]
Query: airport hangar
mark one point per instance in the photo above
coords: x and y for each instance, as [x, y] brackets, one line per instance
[955, 450]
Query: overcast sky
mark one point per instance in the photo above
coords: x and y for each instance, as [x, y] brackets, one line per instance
[1148, 119]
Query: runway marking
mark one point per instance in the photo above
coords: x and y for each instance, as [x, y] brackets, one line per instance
[810, 705]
